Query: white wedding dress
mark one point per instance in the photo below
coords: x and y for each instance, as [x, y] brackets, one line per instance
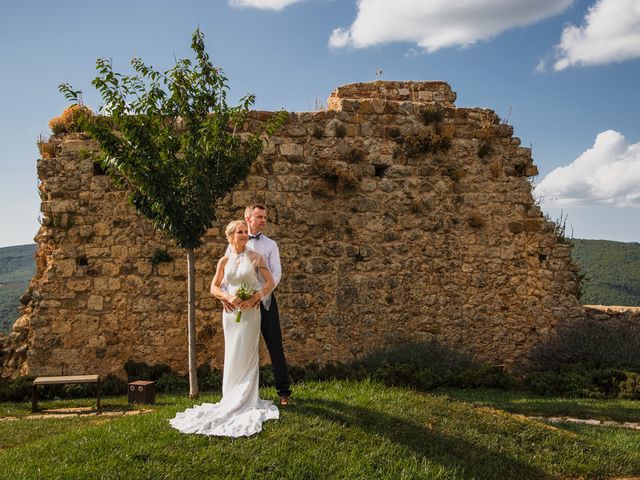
[240, 412]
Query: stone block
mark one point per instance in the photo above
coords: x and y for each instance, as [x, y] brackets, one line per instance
[119, 251]
[102, 229]
[291, 149]
[79, 285]
[95, 302]
[532, 224]
[515, 227]
[66, 267]
[281, 168]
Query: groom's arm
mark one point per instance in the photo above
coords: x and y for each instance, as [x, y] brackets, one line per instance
[274, 264]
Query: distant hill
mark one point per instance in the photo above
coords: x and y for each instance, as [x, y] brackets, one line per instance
[17, 266]
[612, 271]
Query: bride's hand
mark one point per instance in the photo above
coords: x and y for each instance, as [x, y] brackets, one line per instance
[246, 304]
[228, 306]
[234, 301]
[250, 303]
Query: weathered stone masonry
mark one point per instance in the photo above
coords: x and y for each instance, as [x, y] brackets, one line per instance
[398, 216]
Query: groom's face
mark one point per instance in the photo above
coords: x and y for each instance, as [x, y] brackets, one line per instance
[258, 220]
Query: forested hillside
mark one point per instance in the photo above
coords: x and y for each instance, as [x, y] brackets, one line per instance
[612, 272]
[17, 266]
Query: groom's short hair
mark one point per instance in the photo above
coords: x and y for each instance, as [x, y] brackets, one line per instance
[249, 210]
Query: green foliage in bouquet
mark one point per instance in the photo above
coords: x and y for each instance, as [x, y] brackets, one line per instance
[243, 293]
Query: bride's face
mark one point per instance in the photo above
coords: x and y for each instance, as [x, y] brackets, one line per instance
[240, 236]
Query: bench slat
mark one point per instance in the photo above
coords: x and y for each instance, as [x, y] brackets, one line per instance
[68, 379]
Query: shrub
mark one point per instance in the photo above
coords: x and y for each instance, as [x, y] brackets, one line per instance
[143, 371]
[431, 114]
[208, 378]
[57, 125]
[320, 188]
[266, 376]
[340, 129]
[355, 155]
[559, 227]
[520, 169]
[318, 132]
[19, 389]
[453, 173]
[589, 342]
[578, 381]
[340, 176]
[476, 220]
[630, 387]
[159, 256]
[393, 132]
[587, 358]
[172, 383]
[69, 121]
[168, 381]
[484, 149]
[46, 147]
[487, 122]
[427, 140]
[16, 390]
[113, 385]
[423, 366]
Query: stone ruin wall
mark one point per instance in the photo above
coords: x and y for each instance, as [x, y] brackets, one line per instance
[381, 241]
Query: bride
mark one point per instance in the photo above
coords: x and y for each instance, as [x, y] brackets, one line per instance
[240, 412]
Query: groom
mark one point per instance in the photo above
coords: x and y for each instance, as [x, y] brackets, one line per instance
[256, 217]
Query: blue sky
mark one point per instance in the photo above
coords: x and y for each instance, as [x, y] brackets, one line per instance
[567, 71]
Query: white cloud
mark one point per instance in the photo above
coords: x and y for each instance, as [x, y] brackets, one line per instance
[263, 4]
[541, 66]
[610, 33]
[436, 24]
[606, 174]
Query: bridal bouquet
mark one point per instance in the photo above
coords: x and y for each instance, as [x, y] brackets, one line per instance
[243, 293]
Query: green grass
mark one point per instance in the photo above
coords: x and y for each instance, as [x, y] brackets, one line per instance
[355, 430]
[13, 409]
[539, 406]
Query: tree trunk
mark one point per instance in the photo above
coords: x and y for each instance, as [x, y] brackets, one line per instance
[193, 366]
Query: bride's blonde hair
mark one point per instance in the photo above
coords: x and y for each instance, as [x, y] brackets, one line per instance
[231, 228]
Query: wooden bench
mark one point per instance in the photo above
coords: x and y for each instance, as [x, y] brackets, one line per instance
[63, 381]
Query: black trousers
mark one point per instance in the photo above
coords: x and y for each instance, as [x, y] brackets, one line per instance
[270, 327]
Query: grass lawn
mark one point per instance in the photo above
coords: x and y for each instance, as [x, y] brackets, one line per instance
[537, 406]
[333, 430]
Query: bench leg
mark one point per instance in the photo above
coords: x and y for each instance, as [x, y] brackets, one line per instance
[98, 397]
[34, 399]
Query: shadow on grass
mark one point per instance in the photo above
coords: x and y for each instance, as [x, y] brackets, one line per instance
[533, 405]
[470, 460]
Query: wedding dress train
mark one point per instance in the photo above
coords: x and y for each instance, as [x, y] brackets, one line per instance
[240, 412]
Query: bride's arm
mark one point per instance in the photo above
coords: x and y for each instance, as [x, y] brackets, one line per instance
[216, 290]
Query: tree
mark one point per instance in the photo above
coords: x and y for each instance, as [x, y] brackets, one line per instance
[171, 140]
